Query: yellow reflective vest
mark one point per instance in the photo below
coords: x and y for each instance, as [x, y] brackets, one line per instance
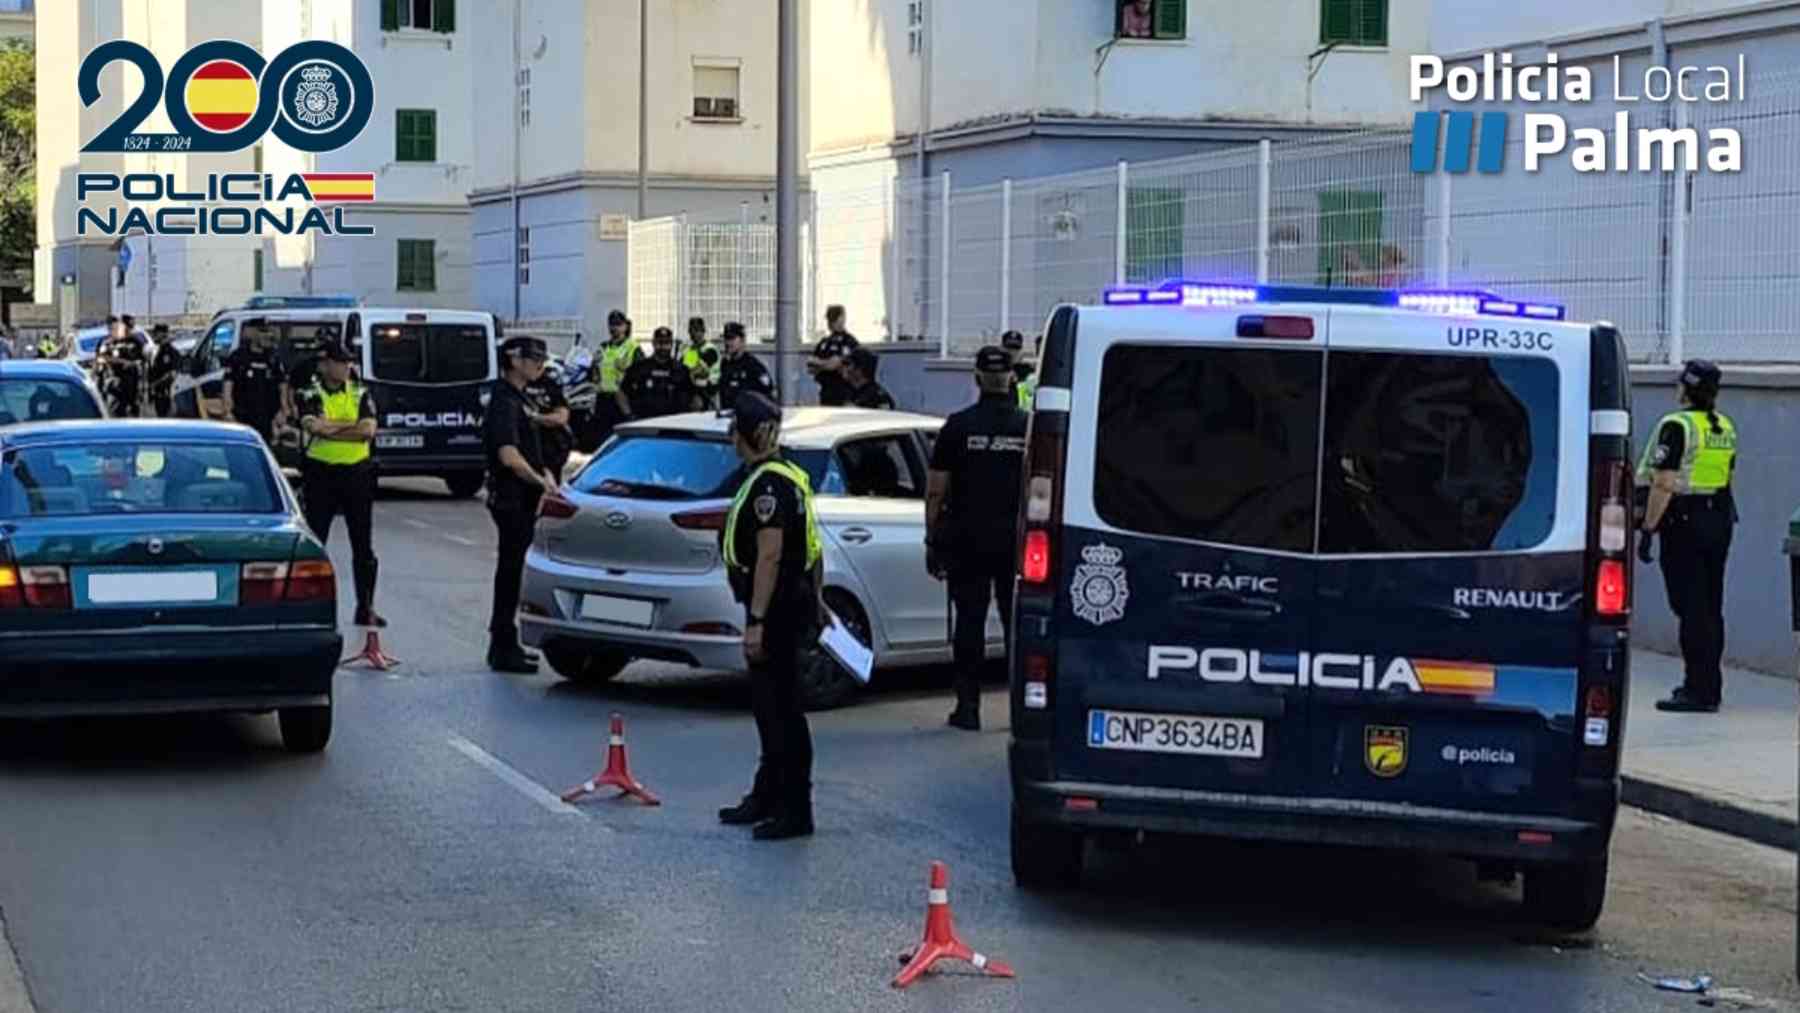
[704, 373]
[340, 407]
[615, 358]
[1707, 457]
[793, 474]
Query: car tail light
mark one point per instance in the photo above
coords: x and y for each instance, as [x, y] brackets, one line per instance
[700, 520]
[1610, 589]
[712, 629]
[46, 587]
[556, 506]
[311, 580]
[12, 596]
[1035, 564]
[1037, 682]
[261, 583]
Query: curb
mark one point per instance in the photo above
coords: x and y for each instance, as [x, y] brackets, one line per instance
[1711, 813]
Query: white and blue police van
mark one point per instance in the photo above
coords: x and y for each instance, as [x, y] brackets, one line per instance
[428, 371]
[1326, 565]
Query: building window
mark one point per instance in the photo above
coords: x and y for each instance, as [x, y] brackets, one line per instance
[1152, 19]
[418, 266]
[415, 135]
[423, 15]
[715, 93]
[525, 256]
[1354, 22]
[256, 270]
[524, 96]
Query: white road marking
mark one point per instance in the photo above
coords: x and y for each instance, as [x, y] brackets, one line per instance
[415, 522]
[460, 540]
[519, 782]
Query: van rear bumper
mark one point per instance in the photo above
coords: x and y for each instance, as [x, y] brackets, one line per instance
[1350, 822]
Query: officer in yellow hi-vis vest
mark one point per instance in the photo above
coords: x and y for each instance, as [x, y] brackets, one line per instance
[772, 549]
[338, 417]
[1687, 468]
[702, 362]
[617, 357]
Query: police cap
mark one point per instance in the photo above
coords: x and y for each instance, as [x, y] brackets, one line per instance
[615, 317]
[865, 361]
[1701, 375]
[336, 351]
[751, 411]
[523, 347]
[1012, 341]
[733, 329]
[662, 334]
[992, 359]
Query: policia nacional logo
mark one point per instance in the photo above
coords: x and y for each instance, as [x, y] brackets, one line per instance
[1384, 750]
[1099, 592]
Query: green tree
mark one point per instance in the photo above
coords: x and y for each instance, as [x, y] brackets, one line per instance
[18, 155]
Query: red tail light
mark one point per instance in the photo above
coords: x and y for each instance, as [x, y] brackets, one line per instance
[700, 520]
[46, 587]
[1599, 702]
[1609, 588]
[1037, 682]
[311, 580]
[555, 506]
[1035, 563]
[261, 583]
[11, 597]
[270, 583]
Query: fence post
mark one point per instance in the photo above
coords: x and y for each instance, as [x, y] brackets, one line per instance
[893, 231]
[1005, 253]
[684, 256]
[743, 257]
[1264, 167]
[1443, 235]
[1677, 294]
[944, 271]
[1119, 247]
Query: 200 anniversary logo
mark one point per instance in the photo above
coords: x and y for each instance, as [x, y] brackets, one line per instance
[222, 96]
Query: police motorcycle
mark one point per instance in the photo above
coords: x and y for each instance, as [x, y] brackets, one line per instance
[579, 378]
[123, 382]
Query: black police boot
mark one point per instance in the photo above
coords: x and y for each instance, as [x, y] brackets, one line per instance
[367, 616]
[792, 819]
[967, 714]
[505, 656]
[757, 805]
[1684, 702]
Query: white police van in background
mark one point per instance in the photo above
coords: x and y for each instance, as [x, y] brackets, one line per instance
[427, 369]
[1326, 565]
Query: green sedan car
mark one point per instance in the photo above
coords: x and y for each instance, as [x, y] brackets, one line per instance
[156, 567]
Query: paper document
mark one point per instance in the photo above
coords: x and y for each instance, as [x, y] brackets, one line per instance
[846, 650]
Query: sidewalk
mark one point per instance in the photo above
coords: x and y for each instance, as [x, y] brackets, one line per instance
[1734, 771]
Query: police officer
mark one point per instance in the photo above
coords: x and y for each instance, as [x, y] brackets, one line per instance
[741, 371]
[772, 550]
[971, 508]
[617, 356]
[659, 385]
[1024, 375]
[121, 361]
[702, 362]
[165, 363]
[550, 414]
[860, 368]
[517, 479]
[1687, 466]
[827, 362]
[254, 375]
[338, 416]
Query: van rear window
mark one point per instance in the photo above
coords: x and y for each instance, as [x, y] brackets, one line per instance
[1438, 453]
[431, 353]
[1213, 444]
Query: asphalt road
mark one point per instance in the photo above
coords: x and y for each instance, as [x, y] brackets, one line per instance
[422, 862]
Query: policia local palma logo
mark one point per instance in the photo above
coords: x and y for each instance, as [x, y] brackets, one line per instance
[222, 96]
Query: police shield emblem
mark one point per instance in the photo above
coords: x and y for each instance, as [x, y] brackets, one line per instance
[1099, 592]
[1384, 750]
[765, 507]
[315, 98]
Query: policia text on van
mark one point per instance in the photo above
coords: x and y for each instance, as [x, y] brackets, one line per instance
[1312, 565]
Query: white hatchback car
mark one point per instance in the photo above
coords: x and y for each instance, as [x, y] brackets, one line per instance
[626, 564]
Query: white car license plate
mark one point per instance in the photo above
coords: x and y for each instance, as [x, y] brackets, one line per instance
[1186, 734]
[603, 608]
[167, 587]
[399, 442]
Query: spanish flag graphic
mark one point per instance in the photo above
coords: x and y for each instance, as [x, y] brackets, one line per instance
[340, 186]
[1460, 678]
[221, 96]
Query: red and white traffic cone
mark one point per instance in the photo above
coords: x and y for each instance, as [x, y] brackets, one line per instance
[617, 773]
[940, 942]
[372, 655]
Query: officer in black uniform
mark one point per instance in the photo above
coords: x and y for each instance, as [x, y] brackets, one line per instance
[771, 548]
[254, 376]
[517, 479]
[165, 364]
[827, 362]
[741, 370]
[550, 413]
[971, 510]
[120, 360]
[659, 385]
[859, 371]
[337, 414]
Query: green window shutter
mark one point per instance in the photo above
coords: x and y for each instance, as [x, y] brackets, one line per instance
[1354, 22]
[1154, 222]
[428, 135]
[415, 135]
[1349, 236]
[425, 262]
[403, 268]
[402, 135]
[1170, 19]
[443, 16]
[1337, 19]
[390, 15]
[1372, 28]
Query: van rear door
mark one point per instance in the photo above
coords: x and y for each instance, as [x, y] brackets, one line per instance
[427, 376]
[1184, 582]
[1452, 526]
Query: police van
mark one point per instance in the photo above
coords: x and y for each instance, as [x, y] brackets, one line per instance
[1326, 565]
[427, 369]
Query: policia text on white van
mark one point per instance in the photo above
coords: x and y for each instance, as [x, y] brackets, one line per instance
[1324, 669]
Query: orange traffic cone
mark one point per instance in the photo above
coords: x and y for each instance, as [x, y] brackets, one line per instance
[617, 773]
[940, 940]
[372, 654]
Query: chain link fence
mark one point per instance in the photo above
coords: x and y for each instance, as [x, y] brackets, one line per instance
[720, 271]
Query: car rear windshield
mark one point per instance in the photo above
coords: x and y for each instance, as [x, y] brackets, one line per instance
[431, 353]
[128, 477]
[23, 400]
[676, 467]
[1422, 453]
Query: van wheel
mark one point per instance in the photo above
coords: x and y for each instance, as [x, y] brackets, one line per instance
[1567, 895]
[1045, 857]
[585, 667]
[823, 682]
[465, 485]
[304, 729]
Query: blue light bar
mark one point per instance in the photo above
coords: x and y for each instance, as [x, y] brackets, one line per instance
[1447, 302]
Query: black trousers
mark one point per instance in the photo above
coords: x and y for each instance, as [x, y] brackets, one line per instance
[784, 776]
[348, 489]
[515, 523]
[979, 574]
[1696, 538]
[164, 403]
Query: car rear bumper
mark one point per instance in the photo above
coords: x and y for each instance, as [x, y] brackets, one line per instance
[550, 613]
[1351, 822]
[49, 676]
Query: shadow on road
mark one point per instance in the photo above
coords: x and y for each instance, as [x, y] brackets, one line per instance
[144, 746]
[712, 690]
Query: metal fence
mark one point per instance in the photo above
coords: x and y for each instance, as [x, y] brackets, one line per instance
[716, 270]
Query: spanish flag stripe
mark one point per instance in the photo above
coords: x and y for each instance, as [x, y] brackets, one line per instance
[1455, 677]
[221, 121]
[222, 96]
[323, 177]
[340, 186]
[214, 69]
